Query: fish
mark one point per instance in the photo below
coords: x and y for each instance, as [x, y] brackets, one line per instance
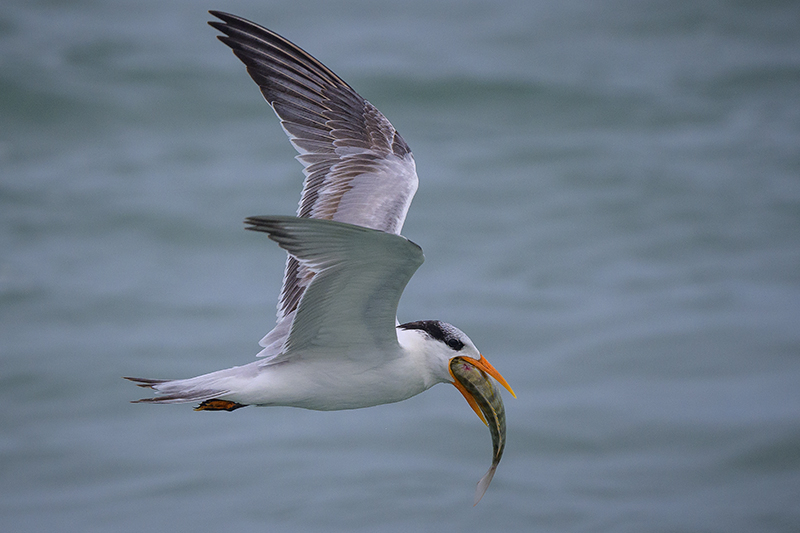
[488, 405]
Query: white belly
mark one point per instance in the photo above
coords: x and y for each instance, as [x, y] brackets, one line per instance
[326, 386]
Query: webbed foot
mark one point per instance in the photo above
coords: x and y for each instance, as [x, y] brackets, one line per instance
[219, 405]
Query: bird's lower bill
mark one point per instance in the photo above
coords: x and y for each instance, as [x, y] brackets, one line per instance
[462, 368]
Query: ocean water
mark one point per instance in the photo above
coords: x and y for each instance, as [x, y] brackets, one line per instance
[610, 207]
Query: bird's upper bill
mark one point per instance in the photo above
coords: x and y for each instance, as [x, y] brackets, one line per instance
[485, 366]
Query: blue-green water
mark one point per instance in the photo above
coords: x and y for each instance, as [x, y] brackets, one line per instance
[610, 208]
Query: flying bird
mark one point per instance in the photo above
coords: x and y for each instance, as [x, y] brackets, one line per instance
[337, 343]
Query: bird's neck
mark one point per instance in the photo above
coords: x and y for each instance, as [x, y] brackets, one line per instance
[423, 357]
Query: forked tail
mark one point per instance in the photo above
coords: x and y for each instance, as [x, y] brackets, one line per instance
[182, 391]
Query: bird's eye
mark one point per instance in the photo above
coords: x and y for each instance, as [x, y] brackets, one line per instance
[455, 344]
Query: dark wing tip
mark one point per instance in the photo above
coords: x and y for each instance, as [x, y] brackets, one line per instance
[229, 24]
[273, 226]
[228, 21]
[223, 16]
[263, 224]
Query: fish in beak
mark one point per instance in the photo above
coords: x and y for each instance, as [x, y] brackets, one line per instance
[471, 379]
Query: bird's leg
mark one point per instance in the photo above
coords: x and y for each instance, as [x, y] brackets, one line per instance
[218, 405]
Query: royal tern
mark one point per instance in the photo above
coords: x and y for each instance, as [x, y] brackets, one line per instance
[337, 343]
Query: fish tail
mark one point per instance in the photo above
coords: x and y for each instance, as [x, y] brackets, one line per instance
[483, 484]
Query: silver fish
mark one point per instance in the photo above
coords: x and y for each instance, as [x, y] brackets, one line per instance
[486, 396]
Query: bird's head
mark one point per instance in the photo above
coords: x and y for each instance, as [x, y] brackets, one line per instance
[452, 346]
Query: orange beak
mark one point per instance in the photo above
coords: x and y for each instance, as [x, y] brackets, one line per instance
[484, 365]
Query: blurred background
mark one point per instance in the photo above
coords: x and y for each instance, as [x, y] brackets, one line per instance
[609, 203]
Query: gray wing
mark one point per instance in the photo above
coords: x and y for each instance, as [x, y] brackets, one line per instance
[359, 276]
[358, 169]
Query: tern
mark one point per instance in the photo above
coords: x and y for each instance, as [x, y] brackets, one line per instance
[337, 343]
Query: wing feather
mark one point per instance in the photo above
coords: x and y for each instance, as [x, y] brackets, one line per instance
[359, 276]
[358, 168]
